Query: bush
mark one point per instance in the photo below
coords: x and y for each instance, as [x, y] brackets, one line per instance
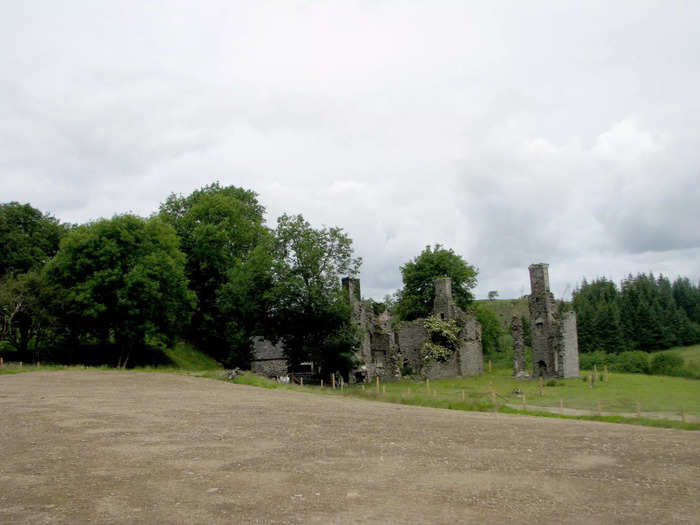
[635, 362]
[589, 359]
[6, 347]
[667, 364]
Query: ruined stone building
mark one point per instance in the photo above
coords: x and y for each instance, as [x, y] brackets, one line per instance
[553, 331]
[385, 349]
[467, 360]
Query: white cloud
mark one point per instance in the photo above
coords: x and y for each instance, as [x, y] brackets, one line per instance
[511, 133]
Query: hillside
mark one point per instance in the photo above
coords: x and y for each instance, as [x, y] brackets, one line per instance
[505, 309]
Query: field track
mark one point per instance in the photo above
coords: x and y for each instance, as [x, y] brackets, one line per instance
[120, 447]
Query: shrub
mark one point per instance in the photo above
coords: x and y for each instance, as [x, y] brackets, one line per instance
[589, 359]
[667, 364]
[635, 362]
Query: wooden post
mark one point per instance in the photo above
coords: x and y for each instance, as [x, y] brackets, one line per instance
[383, 389]
[377, 380]
[342, 387]
[489, 366]
[524, 403]
[20, 364]
[540, 386]
[683, 414]
[595, 372]
[301, 381]
[590, 380]
[427, 385]
[600, 409]
[462, 395]
[333, 380]
[409, 390]
[639, 408]
[492, 392]
[363, 387]
[322, 383]
[561, 404]
[1, 362]
[605, 371]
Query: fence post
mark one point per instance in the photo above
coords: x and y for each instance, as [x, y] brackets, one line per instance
[333, 380]
[683, 414]
[489, 366]
[595, 371]
[561, 404]
[301, 381]
[524, 403]
[540, 386]
[427, 385]
[321, 383]
[377, 381]
[383, 389]
[590, 380]
[1, 363]
[605, 370]
[462, 395]
[639, 414]
[600, 409]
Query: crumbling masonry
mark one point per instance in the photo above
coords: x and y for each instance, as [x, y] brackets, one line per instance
[553, 330]
[385, 350]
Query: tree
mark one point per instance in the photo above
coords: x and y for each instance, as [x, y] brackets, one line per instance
[28, 238]
[415, 299]
[122, 279]
[307, 307]
[25, 309]
[219, 227]
[493, 295]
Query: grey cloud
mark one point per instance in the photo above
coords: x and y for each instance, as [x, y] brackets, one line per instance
[511, 133]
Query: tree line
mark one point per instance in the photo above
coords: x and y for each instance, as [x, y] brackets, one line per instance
[644, 313]
[204, 268]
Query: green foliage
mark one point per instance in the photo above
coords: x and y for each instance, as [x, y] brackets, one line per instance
[28, 238]
[415, 299]
[306, 304]
[443, 339]
[121, 279]
[220, 230]
[491, 331]
[647, 313]
[667, 364]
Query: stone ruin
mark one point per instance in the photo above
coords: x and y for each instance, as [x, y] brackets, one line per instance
[553, 332]
[385, 349]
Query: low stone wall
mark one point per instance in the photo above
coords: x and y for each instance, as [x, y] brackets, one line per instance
[270, 367]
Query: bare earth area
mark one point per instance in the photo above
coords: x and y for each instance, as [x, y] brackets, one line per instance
[111, 447]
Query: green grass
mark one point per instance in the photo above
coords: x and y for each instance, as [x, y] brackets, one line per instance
[186, 357]
[658, 394]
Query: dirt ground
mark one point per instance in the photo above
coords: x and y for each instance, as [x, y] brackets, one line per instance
[115, 447]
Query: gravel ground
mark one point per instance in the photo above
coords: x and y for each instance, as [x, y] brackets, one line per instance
[121, 447]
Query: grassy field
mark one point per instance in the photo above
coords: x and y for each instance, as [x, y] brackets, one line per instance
[660, 399]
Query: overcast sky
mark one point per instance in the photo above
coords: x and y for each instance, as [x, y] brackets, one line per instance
[513, 132]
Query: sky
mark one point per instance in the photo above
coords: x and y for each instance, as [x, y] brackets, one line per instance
[511, 132]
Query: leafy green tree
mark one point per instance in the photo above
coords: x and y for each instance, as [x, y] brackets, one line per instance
[122, 279]
[28, 238]
[416, 297]
[307, 307]
[25, 308]
[219, 227]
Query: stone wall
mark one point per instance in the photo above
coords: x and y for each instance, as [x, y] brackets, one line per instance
[570, 366]
[270, 367]
[554, 337]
